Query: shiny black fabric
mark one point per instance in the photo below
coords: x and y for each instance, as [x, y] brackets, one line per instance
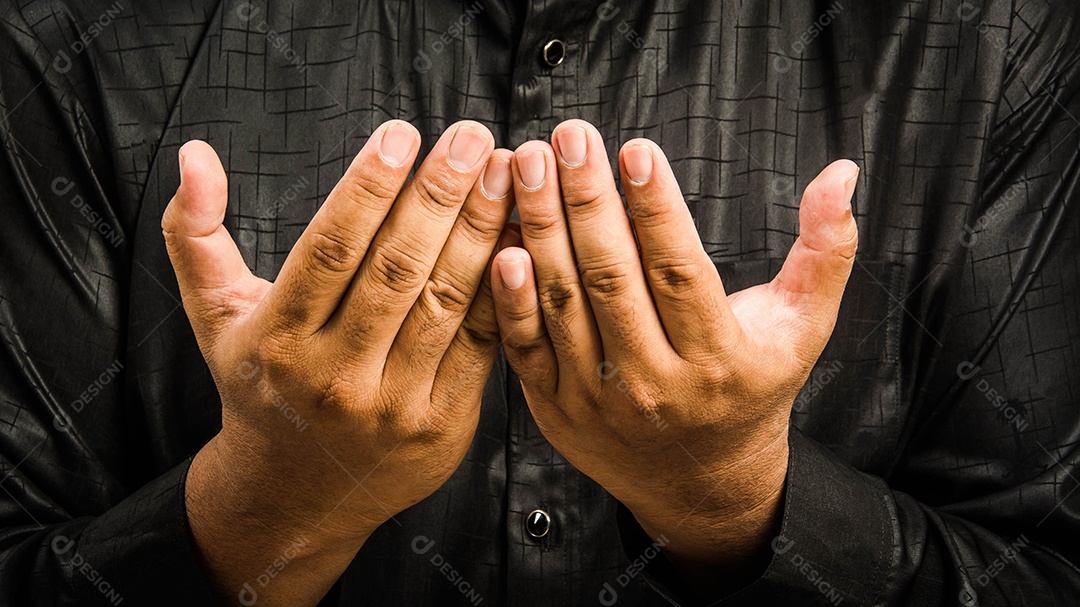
[935, 456]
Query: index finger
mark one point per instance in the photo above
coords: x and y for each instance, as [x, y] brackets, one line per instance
[321, 265]
[410, 240]
[685, 285]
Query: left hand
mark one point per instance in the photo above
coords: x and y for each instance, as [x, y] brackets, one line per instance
[638, 368]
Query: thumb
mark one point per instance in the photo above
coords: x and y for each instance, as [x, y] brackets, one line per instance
[207, 263]
[818, 266]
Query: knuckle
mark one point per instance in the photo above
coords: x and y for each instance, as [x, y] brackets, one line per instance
[583, 198]
[650, 214]
[338, 395]
[609, 279]
[481, 228]
[446, 294]
[715, 377]
[521, 311]
[438, 193]
[525, 347]
[541, 225]
[480, 328]
[332, 252]
[364, 188]
[557, 296]
[170, 227]
[480, 334]
[527, 356]
[168, 219]
[173, 242]
[675, 276]
[848, 243]
[397, 269]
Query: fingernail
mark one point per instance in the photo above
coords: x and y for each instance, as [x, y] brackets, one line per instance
[513, 273]
[849, 186]
[532, 169]
[180, 159]
[466, 148]
[397, 144]
[639, 163]
[573, 146]
[498, 178]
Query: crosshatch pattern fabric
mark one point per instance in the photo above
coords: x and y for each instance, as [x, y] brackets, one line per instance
[935, 460]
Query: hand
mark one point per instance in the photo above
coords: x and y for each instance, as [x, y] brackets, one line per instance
[351, 385]
[637, 367]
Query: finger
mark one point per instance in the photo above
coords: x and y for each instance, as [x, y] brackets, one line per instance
[466, 367]
[437, 314]
[567, 315]
[607, 255]
[205, 258]
[409, 242]
[817, 268]
[521, 323]
[323, 262]
[683, 280]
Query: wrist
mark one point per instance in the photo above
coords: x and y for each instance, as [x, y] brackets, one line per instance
[249, 530]
[735, 514]
[277, 491]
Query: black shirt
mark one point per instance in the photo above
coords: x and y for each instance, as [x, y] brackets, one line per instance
[936, 451]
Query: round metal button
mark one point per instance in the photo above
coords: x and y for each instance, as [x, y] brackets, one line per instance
[538, 523]
[554, 53]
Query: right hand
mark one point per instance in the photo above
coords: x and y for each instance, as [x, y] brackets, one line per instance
[376, 339]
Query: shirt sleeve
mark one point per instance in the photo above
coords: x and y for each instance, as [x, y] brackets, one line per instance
[984, 506]
[86, 516]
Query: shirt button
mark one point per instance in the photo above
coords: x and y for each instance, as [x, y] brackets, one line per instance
[538, 523]
[554, 53]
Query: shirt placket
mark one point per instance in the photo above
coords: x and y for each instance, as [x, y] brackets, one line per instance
[542, 488]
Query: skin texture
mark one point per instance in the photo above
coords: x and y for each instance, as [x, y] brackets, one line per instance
[381, 329]
[637, 366]
[379, 333]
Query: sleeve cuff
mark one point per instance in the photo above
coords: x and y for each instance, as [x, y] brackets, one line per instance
[835, 546]
[141, 551]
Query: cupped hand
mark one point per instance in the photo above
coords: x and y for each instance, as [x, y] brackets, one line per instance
[636, 364]
[351, 385]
